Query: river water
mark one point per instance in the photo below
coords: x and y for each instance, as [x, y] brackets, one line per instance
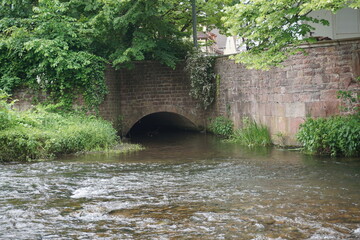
[187, 186]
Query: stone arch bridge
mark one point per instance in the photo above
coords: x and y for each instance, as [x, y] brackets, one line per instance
[280, 98]
[151, 91]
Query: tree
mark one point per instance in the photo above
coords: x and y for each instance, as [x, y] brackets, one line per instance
[47, 50]
[16, 8]
[151, 30]
[62, 46]
[273, 30]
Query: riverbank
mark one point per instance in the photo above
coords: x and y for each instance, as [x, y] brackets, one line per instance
[46, 133]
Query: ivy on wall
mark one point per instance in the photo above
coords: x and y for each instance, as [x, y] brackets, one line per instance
[202, 77]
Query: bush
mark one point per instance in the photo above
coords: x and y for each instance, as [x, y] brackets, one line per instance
[252, 134]
[338, 135]
[221, 126]
[40, 134]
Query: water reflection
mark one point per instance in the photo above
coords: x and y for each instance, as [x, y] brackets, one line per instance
[183, 187]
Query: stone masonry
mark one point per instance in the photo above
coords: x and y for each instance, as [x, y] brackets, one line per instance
[149, 88]
[282, 98]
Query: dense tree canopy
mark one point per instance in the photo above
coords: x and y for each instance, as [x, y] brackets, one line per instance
[272, 30]
[44, 48]
[61, 46]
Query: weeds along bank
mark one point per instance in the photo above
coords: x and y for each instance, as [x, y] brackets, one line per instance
[335, 136]
[251, 134]
[41, 133]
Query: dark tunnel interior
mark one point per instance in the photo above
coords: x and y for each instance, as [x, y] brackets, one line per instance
[162, 122]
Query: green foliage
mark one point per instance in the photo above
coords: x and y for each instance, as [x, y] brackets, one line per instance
[136, 30]
[6, 114]
[338, 135]
[61, 46]
[50, 51]
[16, 8]
[38, 134]
[252, 134]
[273, 30]
[221, 126]
[350, 100]
[202, 77]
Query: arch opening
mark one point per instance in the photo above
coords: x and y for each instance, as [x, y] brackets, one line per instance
[160, 122]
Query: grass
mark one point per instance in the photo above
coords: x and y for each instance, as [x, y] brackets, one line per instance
[251, 134]
[40, 134]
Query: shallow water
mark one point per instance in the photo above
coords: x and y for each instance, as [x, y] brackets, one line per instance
[183, 186]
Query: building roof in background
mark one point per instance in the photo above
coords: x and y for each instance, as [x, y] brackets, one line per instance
[220, 39]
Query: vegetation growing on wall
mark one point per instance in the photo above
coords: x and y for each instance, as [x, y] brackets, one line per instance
[202, 77]
[350, 100]
[273, 30]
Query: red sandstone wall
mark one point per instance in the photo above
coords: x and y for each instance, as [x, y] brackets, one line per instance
[282, 98]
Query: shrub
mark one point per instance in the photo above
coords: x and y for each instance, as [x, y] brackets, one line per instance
[252, 134]
[221, 126]
[40, 134]
[338, 135]
[23, 144]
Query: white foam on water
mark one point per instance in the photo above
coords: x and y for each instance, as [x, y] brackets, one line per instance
[82, 192]
[266, 238]
[317, 236]
[89, 217]
[259, 226]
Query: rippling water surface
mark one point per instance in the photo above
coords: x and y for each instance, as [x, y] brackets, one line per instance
[186, 186]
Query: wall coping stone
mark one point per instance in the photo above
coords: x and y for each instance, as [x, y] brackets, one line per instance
[325, 43]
